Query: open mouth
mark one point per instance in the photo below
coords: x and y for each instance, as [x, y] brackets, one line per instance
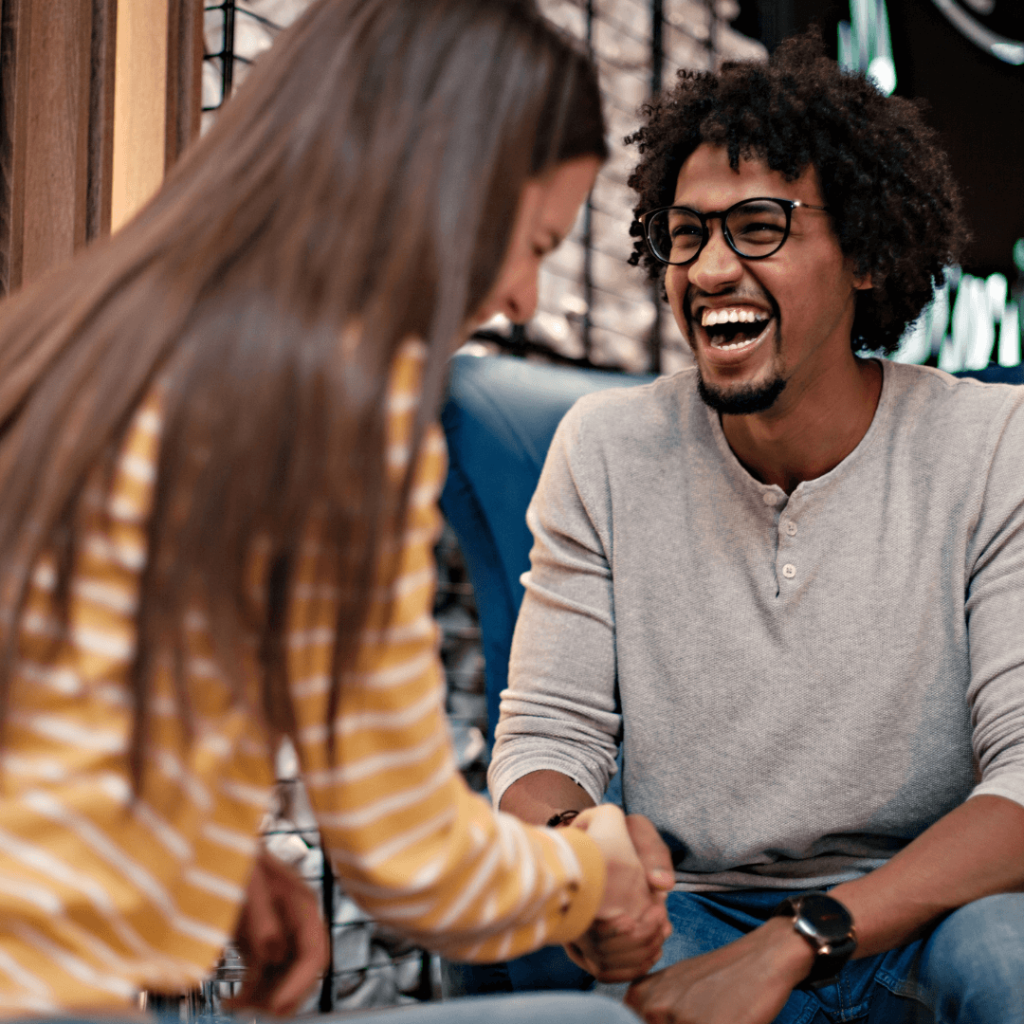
[733, 329]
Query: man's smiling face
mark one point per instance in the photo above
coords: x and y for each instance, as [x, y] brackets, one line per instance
[758, 327]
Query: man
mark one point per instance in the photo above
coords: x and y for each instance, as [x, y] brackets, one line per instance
[790, 582]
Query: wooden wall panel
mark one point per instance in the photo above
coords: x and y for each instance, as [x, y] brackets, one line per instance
[101, 118]
[97, 99]
[47, 49]
[140, 106]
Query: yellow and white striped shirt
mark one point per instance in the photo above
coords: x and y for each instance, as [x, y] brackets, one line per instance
[101, 896]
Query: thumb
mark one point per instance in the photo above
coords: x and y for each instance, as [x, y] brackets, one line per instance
[654, 855]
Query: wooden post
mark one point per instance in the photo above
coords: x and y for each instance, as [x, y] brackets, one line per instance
[47, 50]
[97, 99]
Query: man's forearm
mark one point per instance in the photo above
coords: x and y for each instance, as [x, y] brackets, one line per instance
[974, 851]
[536, 797]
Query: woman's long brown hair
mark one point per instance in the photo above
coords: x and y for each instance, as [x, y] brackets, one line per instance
[359, 190]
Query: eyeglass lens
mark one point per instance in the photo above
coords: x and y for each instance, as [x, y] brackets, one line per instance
[757, 229]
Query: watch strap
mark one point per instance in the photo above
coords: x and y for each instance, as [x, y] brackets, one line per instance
[562, 819]
[831, 955]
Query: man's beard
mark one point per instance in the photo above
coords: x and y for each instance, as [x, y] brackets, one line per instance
[740, 401]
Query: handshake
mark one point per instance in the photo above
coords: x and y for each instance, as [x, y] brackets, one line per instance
[625, 939]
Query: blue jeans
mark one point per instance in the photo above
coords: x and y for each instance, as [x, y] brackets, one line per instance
[968, 970]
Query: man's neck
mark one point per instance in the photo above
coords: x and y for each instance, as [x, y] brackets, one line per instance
[810, 430]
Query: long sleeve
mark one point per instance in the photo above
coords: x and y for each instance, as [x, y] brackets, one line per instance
[560, 711]
[409, 840]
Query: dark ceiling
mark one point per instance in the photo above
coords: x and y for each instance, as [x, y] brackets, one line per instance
[975, 101]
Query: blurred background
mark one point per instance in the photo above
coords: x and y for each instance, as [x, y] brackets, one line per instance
[98, 97]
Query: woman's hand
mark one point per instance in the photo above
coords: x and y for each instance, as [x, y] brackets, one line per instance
[625, 940]
[281, 937]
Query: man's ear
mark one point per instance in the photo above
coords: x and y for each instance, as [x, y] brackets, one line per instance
[863, 282]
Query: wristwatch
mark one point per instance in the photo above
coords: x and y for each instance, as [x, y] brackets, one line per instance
[828, 926]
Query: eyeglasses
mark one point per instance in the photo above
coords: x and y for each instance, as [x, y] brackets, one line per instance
[753, 228]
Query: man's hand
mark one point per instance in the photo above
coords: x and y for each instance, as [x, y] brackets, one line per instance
[281, 938]
[745, 982]
[626, 945]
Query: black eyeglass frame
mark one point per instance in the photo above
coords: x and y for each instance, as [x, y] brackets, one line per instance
[788, 206]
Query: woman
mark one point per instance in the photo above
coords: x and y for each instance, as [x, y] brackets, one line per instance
[219, 464]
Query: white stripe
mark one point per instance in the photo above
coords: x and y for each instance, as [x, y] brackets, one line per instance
[45, 900]
[127, 556]
[408, 583]
[384, 678]
[414, 537]
[348, 774]
[420, 629]
[44, 768]
[424, 495]
[311, 686]
[468, 892]
[61, 680]
[433, 444]
[197, 620]
[92, 641]
[72, 964]
[567, 856]
[69, 684]
[47, 806]
[212, 883]
[114, 598]
[63, 731]
[383, 721]
[176, 772]
[201, 931]
[238, 841]
[302, 639]
[138, 468]
[41, 860]
[254, 796]
[44, 804]
[379, 679]
[149, 422]
[384, 852]
[389, 805]
[125, 510]
[204, 668]
[25, 978]
[403, 402]
[44, 577]
[172, 840]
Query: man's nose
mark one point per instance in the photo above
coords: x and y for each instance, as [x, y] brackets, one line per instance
[716, 265]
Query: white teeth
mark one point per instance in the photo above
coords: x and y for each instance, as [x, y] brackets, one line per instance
[744, 343]
[732, 315]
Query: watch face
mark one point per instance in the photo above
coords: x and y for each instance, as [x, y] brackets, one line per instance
[823, 918]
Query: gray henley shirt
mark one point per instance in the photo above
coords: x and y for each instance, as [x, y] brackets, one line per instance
[801, 684]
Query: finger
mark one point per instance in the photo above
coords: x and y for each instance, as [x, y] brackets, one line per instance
[624, 947]
[652, 851]
[618, 975]
[635, 959]
[578, 957]
[261, 930]
[312, 953]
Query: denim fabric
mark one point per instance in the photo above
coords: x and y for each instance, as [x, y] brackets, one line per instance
[968, 970]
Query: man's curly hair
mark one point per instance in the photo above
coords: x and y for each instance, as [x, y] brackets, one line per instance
[894, 205]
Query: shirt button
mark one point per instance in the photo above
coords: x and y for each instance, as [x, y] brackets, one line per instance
[768, 498]
[791, 528]
[789, 571]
